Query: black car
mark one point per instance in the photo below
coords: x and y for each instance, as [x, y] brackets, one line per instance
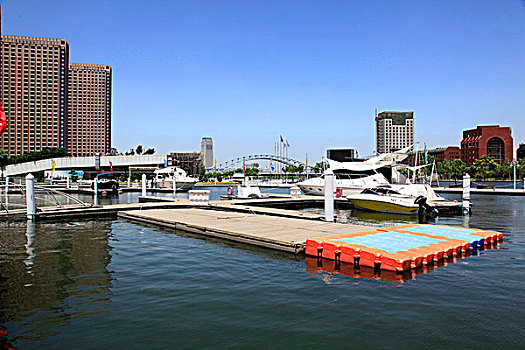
[106, 181]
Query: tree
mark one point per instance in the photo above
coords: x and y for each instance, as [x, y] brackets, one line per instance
[318, 167]
[139, 149]
[457, 166]
[484, 167]
[149, 151]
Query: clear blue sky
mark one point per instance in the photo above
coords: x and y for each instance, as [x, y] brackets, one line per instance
[244, 72]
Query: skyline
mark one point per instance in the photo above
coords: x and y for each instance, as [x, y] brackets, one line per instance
[244, 73]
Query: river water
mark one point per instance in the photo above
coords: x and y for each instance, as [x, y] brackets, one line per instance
[121, 285]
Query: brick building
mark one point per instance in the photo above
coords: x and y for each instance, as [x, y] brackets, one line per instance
[49, 102]
[491, 140]
[89, 109]
[449, 153]
[33, 76]
[520, 152]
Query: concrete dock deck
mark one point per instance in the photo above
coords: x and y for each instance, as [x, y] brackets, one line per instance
[275, 232]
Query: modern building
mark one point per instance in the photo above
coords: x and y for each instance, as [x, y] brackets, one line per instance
[449, 153]
[34, 91]
[191, 162]
[34, 74]
[89, 109]
[394, 131]
[207, 152]
[520, 152]
[491, 140]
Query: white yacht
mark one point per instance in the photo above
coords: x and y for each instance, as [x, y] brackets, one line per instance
[164, 178]
[353, 177]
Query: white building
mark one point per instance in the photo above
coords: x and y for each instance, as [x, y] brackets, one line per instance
[394, 131]
[207, 152]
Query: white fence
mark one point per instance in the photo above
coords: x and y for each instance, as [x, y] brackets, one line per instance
[84, 162]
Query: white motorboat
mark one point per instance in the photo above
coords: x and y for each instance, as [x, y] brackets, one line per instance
[164, 178]
[386, 200]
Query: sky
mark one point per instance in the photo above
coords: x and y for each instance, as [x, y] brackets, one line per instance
[245, 72]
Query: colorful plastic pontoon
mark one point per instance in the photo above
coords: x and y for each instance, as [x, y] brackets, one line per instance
[400, 248]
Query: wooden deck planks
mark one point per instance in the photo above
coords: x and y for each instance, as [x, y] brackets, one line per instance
[283, 233]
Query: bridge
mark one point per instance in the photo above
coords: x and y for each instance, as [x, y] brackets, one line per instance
[78, 163]
[104, 162]
[233, 163]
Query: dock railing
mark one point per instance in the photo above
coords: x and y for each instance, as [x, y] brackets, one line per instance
[13, 198]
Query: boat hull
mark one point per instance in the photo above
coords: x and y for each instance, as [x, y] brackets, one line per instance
[181, 185]
[384, 207]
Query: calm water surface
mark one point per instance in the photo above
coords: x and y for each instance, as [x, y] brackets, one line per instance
[120, 285]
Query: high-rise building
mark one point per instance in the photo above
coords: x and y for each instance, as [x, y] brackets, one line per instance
[34, 74]
[207, 152]
[394, 131]
[89, 109]
[34, 86]
[491, 140]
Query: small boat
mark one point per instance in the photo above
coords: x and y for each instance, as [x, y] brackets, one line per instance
[386, 200]
[164, 178]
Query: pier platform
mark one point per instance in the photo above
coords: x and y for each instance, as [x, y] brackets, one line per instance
[269, 231]
[485, 191]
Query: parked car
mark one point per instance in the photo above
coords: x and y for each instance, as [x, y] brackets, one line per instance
[106, 181]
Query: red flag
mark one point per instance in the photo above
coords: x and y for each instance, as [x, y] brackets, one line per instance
[110, 167]
[243, 166]
[356, 154]
[3, 120]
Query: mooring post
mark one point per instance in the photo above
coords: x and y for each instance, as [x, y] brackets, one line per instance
[30, 196]
[67, 184]
[514, 166]
[329, 195]
[6, 190]
[466, 194]
[174, 186]
[95, 188]
[144, 185]
[129, 182]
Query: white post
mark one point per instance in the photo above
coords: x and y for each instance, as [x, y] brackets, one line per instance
[129, 182]
[432, 172]
[6, 190]
[416, 159]
[95, 188]
[144, 185]
[514, 163]
[466, 194]
[329, 195]
[30, 196]
[67, 183]
[174, 183]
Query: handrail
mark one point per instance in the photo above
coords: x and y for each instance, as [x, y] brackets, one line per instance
[52, 193]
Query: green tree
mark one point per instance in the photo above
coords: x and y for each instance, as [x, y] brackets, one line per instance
[457, 167]
[318, 167]
[139, 149]
[149, 151]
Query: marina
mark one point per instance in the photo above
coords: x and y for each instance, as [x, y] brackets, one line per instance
[114, 276]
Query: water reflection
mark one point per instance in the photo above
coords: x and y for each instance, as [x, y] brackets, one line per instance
[52, 273]
[30, 250]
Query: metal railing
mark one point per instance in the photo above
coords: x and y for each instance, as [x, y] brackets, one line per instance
[10, 192]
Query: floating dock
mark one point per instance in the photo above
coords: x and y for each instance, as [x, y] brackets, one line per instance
[402, 247]
[397, 248]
